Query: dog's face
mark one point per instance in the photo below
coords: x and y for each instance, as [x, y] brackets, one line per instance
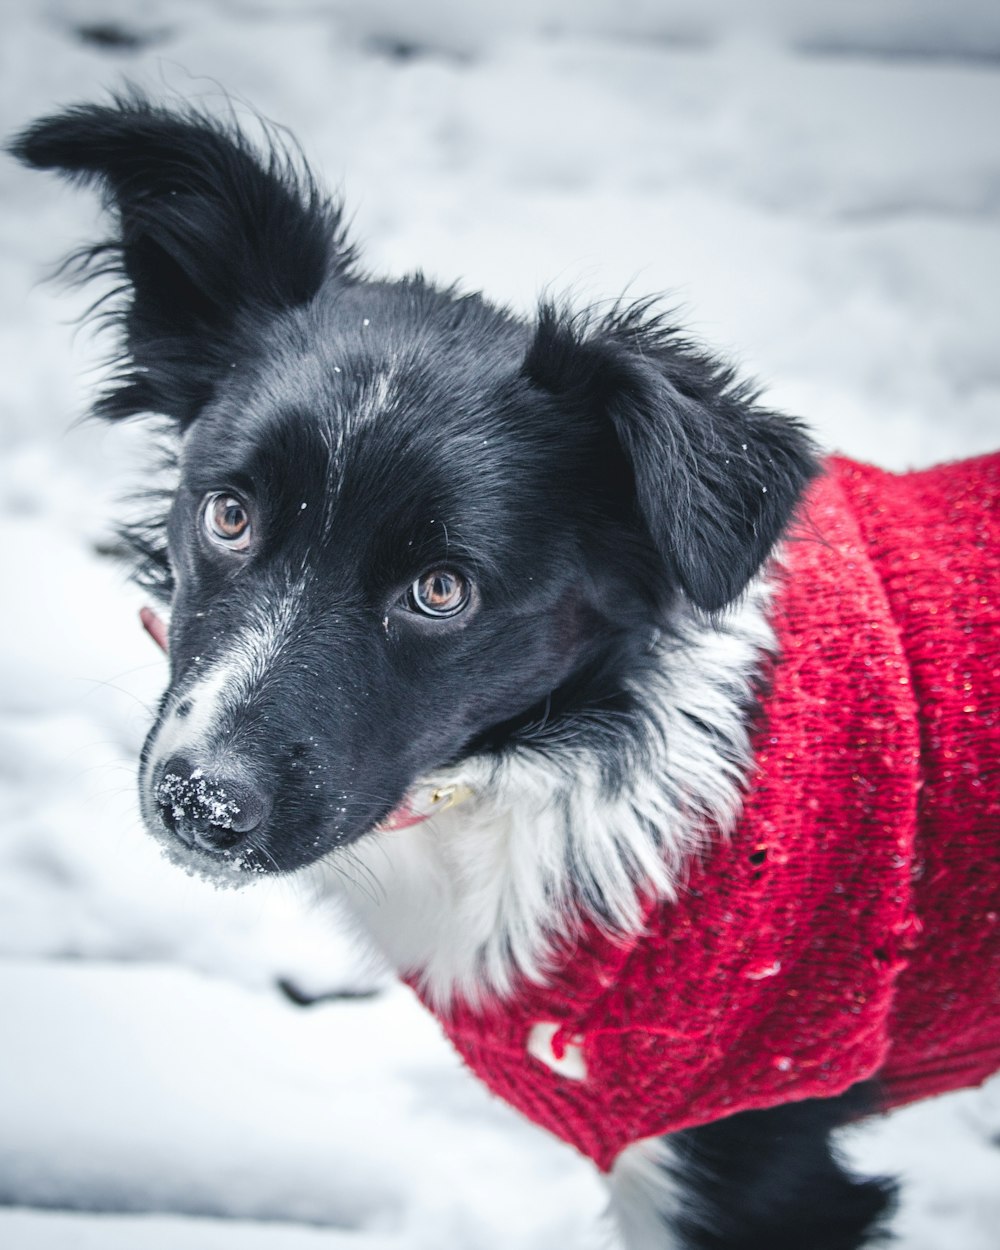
[409, 527]
[388, 549]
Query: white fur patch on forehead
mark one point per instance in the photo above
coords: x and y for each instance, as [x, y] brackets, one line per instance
[343, 393]
[377, 395]
[360, 389]
[360, 408]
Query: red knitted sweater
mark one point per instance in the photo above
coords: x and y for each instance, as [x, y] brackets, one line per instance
[850, 927]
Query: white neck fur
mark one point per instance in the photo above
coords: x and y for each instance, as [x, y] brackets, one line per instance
[478, 896]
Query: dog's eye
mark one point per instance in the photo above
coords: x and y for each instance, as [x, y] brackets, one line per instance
[227, 521]
[439, 593]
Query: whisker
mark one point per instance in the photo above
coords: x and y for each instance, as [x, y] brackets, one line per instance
[96, 683]
[367, 883]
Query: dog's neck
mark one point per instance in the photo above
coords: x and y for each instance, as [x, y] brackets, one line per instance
[473, 899]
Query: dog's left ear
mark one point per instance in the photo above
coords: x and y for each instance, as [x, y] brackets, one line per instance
[716, 477]
[211, 236]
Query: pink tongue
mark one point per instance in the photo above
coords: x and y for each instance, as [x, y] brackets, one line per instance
[401, 817]
[154, 626]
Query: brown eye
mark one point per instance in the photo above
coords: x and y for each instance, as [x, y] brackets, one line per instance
[439, 593]
[227, 521]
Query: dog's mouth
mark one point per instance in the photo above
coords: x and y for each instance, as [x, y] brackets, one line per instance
[203, 822]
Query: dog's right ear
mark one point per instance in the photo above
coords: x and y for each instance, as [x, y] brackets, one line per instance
[716, 476]
[211, 236]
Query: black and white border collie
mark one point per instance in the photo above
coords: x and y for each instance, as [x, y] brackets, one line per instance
[425, 558]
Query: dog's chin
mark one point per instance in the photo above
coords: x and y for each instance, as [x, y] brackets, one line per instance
[226, 870]
[232, 869]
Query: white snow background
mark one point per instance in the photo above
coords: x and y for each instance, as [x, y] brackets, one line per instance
[817, 185]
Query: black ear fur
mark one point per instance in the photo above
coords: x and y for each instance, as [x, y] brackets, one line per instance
[716, 476]
[209, 233]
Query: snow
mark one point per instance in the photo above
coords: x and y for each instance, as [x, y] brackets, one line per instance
[817, 188]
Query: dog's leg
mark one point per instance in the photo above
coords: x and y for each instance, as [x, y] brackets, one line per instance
[762, 1180]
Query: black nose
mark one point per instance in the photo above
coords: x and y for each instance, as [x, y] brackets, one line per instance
[208, 809]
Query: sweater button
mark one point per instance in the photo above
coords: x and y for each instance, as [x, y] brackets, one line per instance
[564, 1058]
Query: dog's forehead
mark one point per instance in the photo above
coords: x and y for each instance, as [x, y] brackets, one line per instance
[361, 434]
[362, 390]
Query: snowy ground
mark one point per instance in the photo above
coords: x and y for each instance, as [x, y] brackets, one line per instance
[818, 185]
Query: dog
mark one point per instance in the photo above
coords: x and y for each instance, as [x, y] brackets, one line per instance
[655, 750]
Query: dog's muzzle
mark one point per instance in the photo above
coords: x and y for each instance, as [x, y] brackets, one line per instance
[217, 812]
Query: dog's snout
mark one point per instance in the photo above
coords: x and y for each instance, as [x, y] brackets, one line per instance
[207, 808]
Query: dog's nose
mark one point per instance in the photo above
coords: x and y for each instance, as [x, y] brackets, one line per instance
[208, 809]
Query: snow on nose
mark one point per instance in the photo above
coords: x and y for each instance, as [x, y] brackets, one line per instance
[212, 811]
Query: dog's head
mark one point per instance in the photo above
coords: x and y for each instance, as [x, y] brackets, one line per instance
[409, 527]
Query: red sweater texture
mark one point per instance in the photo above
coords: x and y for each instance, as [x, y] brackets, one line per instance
[850, 927]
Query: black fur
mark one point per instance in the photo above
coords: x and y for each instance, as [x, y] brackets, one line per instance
[771, 1180]
[582, 473]
[714, 474]
[211, 241]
